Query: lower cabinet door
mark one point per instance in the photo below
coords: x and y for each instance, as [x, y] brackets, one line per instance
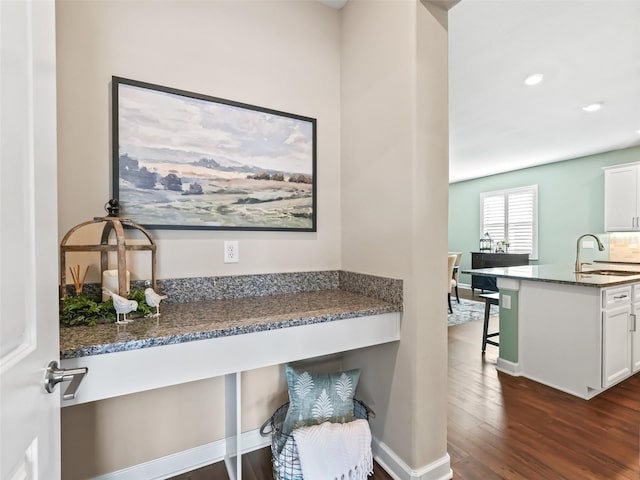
[616, 344]
[635, 339]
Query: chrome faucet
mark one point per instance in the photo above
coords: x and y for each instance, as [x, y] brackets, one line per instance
[578, 263]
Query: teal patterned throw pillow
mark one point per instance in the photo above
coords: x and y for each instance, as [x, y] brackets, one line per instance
[319, 397]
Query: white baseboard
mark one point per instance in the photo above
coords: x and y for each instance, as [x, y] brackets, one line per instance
[399, 470]
[194, 458]
[510, 368]
[185, 461]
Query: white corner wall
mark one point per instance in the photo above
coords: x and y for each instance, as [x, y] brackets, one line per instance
[374, 75]
[394, 212]
[280, 55]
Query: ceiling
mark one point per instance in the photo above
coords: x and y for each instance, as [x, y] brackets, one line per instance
[588, 52]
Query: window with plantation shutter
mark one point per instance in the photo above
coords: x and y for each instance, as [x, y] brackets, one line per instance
[512, 215]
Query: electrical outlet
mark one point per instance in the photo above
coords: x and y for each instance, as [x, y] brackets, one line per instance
[231, 251]
[588, 244]
[506, 301]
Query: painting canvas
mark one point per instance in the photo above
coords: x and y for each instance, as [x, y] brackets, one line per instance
[182, 160]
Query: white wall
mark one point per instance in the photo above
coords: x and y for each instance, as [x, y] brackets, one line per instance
[274, 54]
[394, 209]
[280, 55]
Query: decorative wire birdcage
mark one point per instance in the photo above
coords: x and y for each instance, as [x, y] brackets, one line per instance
[113, 228]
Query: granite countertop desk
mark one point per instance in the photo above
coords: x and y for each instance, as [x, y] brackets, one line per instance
[221, 326]
[220, 329]
[186, 322]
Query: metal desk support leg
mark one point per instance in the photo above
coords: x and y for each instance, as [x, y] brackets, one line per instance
[233, 425]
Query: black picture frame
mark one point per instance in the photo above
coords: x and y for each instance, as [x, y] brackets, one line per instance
[184, 160]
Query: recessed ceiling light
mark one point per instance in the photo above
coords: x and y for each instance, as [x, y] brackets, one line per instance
[593, 107]
[534, 79]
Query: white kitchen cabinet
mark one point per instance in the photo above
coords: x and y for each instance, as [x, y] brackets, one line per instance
[622, 198]
[635, 338]
[616, 345]
[616, 335]
[635, 331]
[577, 339]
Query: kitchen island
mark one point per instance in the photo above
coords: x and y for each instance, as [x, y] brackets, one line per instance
[572, 331]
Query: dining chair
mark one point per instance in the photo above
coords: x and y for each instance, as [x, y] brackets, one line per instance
[451, 264]
[456, 273]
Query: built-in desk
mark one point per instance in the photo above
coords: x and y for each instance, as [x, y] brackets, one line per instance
[199, 340]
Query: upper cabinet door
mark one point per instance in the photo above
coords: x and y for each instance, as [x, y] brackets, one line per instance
[621, 199]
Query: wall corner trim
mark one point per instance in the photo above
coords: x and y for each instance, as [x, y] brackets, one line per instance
[510, 368]
[187, 460]
[437, 470]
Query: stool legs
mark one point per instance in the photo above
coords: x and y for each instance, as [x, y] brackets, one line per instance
[485, 328]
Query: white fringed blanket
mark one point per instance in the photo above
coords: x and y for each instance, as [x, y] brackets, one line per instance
[335, 451]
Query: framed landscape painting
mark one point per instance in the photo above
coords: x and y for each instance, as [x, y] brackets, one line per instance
[182, 160]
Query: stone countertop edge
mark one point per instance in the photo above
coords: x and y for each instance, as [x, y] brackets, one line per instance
[618, 262]
[562, 274]
[208, 319]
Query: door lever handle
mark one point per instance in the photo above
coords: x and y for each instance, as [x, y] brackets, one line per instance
[54, 375]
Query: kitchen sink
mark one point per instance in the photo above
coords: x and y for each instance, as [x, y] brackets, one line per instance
[617, 273]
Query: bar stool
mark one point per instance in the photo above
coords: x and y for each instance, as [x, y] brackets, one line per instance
[489, 299]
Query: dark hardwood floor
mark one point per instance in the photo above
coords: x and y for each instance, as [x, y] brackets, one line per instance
[503, 427]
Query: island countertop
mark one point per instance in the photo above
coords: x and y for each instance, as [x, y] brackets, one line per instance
[562, 274]
[185, 322]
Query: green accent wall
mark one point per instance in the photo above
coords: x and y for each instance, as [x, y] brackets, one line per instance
[570, 203]
[509, 328]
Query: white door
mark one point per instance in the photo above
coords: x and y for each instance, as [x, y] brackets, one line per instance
[29, 417]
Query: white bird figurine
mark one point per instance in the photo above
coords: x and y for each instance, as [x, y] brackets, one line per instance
[122, 306]
[153, 299]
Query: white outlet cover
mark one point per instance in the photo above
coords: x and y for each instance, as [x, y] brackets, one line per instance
[588, 244]
[506, 302]
[231, 251]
